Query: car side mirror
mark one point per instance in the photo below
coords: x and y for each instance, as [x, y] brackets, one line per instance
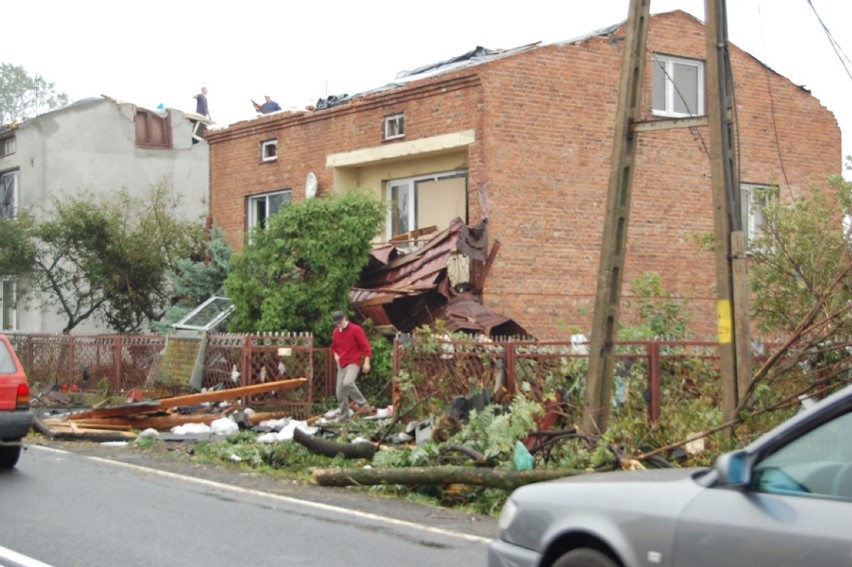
[732, 469]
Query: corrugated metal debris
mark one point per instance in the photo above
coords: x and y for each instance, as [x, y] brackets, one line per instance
[406, 286]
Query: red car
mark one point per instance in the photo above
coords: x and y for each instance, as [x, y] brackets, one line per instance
[15, 415]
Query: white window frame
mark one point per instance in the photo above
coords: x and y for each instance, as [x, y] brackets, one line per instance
[752, 199]
[393, 126]
[409, 187]
[261, 207]
[269, 150]
[8, 313]
[9, 206]
[667, 74]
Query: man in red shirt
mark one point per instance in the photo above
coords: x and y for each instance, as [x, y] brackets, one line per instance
[352, 354]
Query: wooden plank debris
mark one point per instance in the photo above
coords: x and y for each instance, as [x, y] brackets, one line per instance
[116, 422]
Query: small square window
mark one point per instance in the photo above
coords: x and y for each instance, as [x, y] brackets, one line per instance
[394, 126]
[7, 146]
[269, 150]
[677, 88]
[153, 130]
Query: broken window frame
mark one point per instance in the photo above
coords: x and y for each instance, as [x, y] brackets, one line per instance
[393, 126]
[262, 206]
[677, 86]
[153, 130]
[9, 194]
[207, 316]
[269, 150]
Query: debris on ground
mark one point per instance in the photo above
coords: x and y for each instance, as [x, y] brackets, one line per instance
[117, 423]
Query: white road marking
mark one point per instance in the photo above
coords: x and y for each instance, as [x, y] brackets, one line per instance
[9, 558]
[288, 499]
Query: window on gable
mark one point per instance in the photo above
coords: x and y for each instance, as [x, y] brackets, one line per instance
[420, 202]
[269, 150]
[153, 130]
[677, 86]
[393, 126]
[9, 194]
[754, 199]
[7, 146]
[8, 312]
[261, 207]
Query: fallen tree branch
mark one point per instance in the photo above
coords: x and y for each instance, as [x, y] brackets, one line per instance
[327, 448]
[477, 476]
[477, 457]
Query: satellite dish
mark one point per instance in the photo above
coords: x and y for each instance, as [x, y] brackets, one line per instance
[310, 186]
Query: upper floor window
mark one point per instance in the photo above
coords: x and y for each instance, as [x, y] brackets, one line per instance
[7, 146]
[677, 86]
[153, 130]
[269, 150]
[8, 313]
[393, 126]
[416, 203]
[754, 199]
[261, 207]
[8, 194]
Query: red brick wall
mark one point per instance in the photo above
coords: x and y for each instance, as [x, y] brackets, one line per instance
[541, 163]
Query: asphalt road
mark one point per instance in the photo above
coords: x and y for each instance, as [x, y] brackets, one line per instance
[89, 504]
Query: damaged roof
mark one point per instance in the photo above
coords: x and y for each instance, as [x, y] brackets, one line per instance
[400, 291]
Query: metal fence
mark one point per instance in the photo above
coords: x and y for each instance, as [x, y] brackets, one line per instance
[452, 368]
[116, 364]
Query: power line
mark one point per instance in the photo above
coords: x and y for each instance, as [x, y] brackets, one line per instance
[844, 60]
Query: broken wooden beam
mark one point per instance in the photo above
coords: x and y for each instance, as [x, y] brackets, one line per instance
[232, 393]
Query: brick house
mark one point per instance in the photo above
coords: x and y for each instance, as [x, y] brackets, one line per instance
[523, 137]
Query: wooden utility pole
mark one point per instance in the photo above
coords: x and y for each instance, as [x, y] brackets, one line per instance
[614, 246]
[731, 282]
[732, 288]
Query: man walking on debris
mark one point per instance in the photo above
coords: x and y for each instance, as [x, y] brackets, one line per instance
[352, 354]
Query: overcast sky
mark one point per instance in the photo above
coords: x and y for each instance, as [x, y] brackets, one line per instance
[163, 52]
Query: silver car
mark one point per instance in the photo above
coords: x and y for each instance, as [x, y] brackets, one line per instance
[786, 499]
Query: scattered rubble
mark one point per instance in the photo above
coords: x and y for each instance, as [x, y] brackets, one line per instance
[119, 422]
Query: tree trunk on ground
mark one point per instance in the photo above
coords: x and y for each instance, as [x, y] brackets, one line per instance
[477, 476]
[361, 450]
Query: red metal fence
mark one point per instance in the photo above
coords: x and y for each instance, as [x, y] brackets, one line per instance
[539, 368]
[116, 364]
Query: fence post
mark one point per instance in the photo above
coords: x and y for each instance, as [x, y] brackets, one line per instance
[395, 372]
[654, 380]
[511, 383]
[117, 357]
[72, 345]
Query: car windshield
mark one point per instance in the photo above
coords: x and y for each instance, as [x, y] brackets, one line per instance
[817, 463]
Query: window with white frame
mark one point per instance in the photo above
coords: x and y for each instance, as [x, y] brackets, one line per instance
[9, 194]
[677, 86]
[753, 202]
[269, 150]
[393, 126]
[8, 312]
[431, 200]
[261, 207]
[7, 146]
